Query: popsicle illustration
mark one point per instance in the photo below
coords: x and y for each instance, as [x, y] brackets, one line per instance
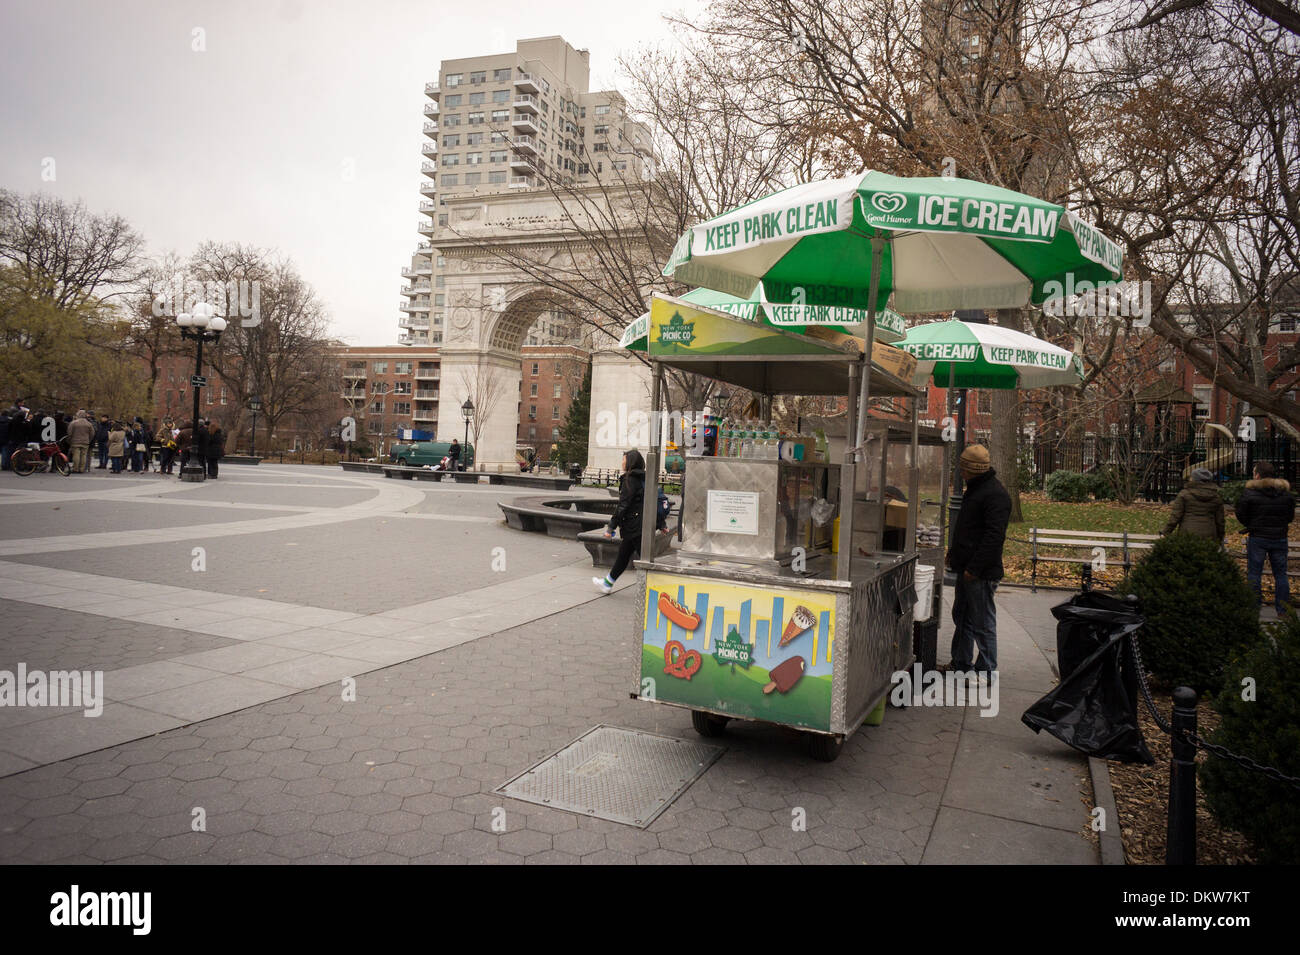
[785, 675]
[800, 620]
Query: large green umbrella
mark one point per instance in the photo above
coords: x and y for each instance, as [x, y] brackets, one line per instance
[967, 355]
[929, 244]
[890, 326]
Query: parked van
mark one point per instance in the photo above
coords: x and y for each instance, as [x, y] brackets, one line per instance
[419, 453]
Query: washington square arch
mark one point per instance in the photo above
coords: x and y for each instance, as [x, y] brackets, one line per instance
[492, 302]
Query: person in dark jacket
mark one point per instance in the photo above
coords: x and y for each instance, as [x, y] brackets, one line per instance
[975, 556]
[5, 450]
[626, 519]
[216, 448]
[1198, 508]
[454, 453]
[1267, 508]
[101, 441]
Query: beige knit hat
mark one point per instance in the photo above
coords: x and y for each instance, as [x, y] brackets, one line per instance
[975, 458]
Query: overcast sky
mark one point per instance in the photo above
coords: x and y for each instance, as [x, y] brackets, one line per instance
[251, 140]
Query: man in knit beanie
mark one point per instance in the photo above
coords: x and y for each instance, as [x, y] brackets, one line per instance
[975, 556]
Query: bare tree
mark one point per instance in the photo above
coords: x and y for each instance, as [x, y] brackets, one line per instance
[485, 386]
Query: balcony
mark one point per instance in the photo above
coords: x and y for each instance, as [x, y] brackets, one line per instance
[355, 373]
[428, 207]
[521, 165]
[430, 148]
[424, 414]
[425, 247]
[432, 91]
[423, 268]
[524, 144]
[524, 123]
[527, 103]
[427, 374]
[413, 321]
[522, 182]
[426, 228]
[420, 305]
[525, 82]
[406, 339]
[430, 169]
[428, 188]
[416, 288]
[430, 109]
[352, 395]
[431, 129]
[424, 394]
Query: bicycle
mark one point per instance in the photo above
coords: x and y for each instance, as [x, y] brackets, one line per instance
[40, 457]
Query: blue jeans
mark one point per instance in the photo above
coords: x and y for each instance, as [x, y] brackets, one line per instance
[103, 455]
[975, 624]
[1274, 548]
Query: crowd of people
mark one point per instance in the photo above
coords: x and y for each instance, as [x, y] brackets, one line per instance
[125, 445]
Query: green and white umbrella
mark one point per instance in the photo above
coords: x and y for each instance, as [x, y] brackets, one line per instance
[946, 244]
[890, 326]
[967, 355]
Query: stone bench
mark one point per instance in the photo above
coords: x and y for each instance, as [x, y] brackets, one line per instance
[604, 549]
[557, 517]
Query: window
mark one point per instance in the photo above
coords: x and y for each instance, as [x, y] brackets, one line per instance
[451, 102]
[583, 169]
[555, 392]
[600, 147]
[535, 368]
[532, 389]
[497, 136]
[602, 109]
[442, 218]
[501, 76]
[476, 119]
[478, 76]
[1286, 323]
[471, 179]
[223, 394]
[377, 407]
[532, 432]
[402, 388]
[619, 166]
[437, 319]
[435, 338]
[455, 79]
[499, 116]
[984, 402]
[555, 412]
[442, 260]
[496, 177]
[376, 427]
[501, 96]
[381, 368]
[210, 396]
[401, 407]
[532, 412]
[1204, 395]
[555, 434]
[439, 300]
[498, 155]
[451, 180]
[601, 130]
[452, 120]
[451, 140]
[474, 139]
[379, 387]
[476, 99]
[473, 159]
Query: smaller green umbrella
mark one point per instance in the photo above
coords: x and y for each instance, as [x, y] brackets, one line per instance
[988, 356]
[890, 326]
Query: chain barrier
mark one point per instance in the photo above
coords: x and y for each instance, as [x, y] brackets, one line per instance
[1195, 738]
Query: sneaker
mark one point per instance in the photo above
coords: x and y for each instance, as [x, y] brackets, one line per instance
[602, 586]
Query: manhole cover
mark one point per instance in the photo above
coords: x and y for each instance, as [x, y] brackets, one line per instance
[617, 774]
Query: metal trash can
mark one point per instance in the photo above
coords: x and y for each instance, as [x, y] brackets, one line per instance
[575, 473]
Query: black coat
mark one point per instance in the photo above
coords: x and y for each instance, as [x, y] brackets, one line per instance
[631, 499]
[981, 528]
[1266, 507]
[215, 449]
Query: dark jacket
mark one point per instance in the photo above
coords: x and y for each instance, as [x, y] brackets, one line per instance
[101, 434]
[216, 447]
[981, 528]
[1266, 507]
[631, 498]
[1198, 509]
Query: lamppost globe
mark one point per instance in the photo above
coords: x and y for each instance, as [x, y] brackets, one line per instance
[467, 409]
[217, 324]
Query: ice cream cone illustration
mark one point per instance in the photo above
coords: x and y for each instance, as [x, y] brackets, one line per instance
[800, 620]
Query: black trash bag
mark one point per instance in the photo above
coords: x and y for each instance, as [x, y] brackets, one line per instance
[1094, 707]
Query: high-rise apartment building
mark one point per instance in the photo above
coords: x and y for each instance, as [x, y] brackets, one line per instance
[512, 121]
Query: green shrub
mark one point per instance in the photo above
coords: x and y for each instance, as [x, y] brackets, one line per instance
[1267, 730]
[1102, 486]
[1231, 491]
[1199, 610]
[1070, 486]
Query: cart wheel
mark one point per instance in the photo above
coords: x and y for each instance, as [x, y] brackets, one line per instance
[401, 462]
[706, 724]
[824, 749]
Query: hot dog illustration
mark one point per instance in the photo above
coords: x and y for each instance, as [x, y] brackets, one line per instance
[677, 614]
[785, 675]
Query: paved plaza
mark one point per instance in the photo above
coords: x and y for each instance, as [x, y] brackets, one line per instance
[329, 667]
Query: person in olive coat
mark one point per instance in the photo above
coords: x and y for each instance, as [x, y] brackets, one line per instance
[1198, 508]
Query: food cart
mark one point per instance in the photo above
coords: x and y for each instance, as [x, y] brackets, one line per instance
[791, 597]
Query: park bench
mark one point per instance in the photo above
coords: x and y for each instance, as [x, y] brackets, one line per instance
[1089, 541]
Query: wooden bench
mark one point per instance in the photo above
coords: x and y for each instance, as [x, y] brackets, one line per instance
[1122, 541]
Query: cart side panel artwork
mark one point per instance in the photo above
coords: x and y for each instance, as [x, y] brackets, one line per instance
[761, 653]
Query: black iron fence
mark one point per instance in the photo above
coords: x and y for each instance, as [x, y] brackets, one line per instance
[1153, 471]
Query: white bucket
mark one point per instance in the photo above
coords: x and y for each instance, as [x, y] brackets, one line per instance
[924, 593]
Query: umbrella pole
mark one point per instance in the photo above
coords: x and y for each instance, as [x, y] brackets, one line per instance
[873, 292]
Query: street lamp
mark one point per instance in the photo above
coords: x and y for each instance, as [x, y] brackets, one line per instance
[254, 405]
[467, 412]
[201, 324]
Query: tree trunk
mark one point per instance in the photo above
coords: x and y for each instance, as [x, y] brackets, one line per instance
[1004, 443]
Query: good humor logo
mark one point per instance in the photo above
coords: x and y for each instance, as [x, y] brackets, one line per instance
[1085, 300]
[66, 688]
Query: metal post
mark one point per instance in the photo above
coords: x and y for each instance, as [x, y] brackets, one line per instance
[913, 481]
[873, 293]
[191, 471]
[1180, 847]
[848, 482]
[650, 506]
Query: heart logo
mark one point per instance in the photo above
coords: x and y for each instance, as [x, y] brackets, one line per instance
[888, 202]
[680, 662]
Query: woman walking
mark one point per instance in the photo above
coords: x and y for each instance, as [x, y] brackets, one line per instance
[626, 519]
[116, 446]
